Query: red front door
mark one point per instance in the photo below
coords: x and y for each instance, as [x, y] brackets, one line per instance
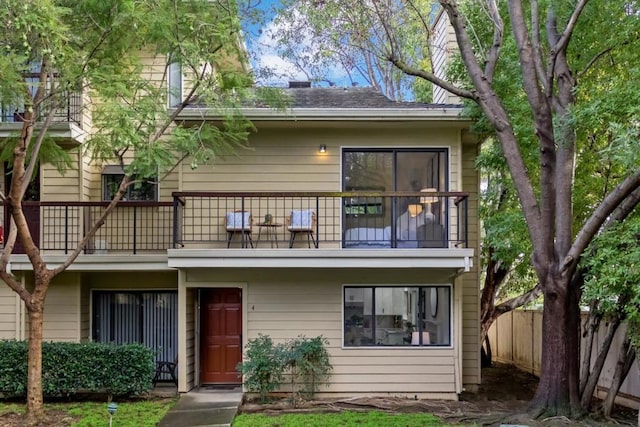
[221, 338]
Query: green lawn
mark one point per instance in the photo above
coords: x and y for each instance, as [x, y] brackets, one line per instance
[359, 419]
[141, 413]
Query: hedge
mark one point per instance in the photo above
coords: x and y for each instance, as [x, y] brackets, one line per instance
[69, 368]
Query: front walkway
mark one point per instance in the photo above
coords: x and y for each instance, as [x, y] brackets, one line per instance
[204, 408]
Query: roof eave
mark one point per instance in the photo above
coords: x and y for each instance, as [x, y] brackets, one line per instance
[452, 114]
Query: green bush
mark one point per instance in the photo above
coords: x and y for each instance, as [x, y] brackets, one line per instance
[69, 368]
[263, 368]
[306, 359]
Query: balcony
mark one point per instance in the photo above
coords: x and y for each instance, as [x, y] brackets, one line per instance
[260, 222]
[66, 124]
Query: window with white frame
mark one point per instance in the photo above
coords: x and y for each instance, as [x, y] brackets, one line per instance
[398, 316]
[174, 84]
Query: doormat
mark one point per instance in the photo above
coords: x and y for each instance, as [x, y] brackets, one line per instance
[213, 387]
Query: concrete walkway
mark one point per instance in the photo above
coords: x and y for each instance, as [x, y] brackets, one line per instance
[204, 408]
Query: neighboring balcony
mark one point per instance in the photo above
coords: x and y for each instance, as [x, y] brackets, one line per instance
[253, 222]
[66, 124]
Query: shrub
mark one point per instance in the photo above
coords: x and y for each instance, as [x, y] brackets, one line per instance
[308, 360]
[262, 369]
[265, 365]
[68, 368]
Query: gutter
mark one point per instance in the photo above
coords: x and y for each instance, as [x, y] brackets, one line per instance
[449, 114]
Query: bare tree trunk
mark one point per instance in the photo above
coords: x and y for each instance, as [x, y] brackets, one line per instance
[625, 360]
[35, 409]
[557, 392]
[593, 322]
[594, 374]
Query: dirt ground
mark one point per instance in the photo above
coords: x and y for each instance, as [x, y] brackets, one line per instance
[502, 398]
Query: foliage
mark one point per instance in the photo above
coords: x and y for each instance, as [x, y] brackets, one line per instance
[309, 362]
[614, 274]
[266, 363]
[69, 368]
[346, 418]
[143, 413]
[262, 369]
[334, 41]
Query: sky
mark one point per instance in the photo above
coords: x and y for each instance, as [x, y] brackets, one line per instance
[264, 53]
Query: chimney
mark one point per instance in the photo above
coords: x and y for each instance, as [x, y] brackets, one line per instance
[298, 85]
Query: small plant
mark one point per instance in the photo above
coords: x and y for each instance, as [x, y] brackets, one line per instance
[263, 368]
[308, 360]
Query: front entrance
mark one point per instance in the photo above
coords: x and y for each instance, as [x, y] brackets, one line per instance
[221, 336]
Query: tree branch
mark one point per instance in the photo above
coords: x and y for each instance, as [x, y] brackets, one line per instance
[610, 203]
[562, 43]
[494, 52]
[520, 300]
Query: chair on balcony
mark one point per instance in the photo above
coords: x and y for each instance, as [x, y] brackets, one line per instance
[302, 221]
[239, 222]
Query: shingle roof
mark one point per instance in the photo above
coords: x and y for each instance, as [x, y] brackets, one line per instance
[347, 97]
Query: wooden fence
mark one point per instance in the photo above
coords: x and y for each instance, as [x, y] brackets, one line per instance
[516, 338]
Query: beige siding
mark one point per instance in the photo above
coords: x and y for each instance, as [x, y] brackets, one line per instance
[190, 364]
[288, 159]
[62, 309]
[10, 306]
[471, 280]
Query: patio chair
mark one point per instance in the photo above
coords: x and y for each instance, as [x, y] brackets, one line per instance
[302, 221]
[239, 222]
[166, 367]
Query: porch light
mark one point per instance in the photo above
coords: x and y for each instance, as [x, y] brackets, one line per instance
[322, 148]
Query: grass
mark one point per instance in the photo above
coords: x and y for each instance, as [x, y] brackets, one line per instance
[347, 418]
[140, 413]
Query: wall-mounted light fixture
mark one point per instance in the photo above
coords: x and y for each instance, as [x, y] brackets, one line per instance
[322, 148]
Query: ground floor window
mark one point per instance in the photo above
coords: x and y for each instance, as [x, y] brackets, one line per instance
[397, 316]
[148, 318]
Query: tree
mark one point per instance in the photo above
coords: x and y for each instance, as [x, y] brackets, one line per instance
[543, 170]
[352, 51]
[52, 48]
[549, 83]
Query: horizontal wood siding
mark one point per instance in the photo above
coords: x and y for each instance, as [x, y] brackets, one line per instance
[288, 309]
[9, 313]
[288, 159]
[62, 309]
[190, 363]
[471, 280]
[57, 186]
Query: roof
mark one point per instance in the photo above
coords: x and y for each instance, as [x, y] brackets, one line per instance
[348, 97]
[336, 103]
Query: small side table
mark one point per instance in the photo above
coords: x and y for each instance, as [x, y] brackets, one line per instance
[270, 231]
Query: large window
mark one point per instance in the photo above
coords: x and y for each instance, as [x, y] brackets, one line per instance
[149, 318]
[397, 316]
[403, 221]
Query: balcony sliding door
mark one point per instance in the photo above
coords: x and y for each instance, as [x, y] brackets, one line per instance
[394, 222]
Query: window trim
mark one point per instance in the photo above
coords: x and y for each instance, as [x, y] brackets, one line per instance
[452, 329]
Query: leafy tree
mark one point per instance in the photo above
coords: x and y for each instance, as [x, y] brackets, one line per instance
[523, 65]
[54, 48]
[353, 48]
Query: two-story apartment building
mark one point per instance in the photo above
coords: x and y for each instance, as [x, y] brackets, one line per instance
[351, 217]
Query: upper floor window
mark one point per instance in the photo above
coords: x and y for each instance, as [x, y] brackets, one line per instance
[411, 221]
[415, 316]
[112, 176]
[174, 84]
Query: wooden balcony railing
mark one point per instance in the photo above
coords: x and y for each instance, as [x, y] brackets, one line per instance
[344, 220]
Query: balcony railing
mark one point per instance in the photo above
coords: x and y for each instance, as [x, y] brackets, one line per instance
[68, 111]
[132, 227]
[333, 220]
[345, 220]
